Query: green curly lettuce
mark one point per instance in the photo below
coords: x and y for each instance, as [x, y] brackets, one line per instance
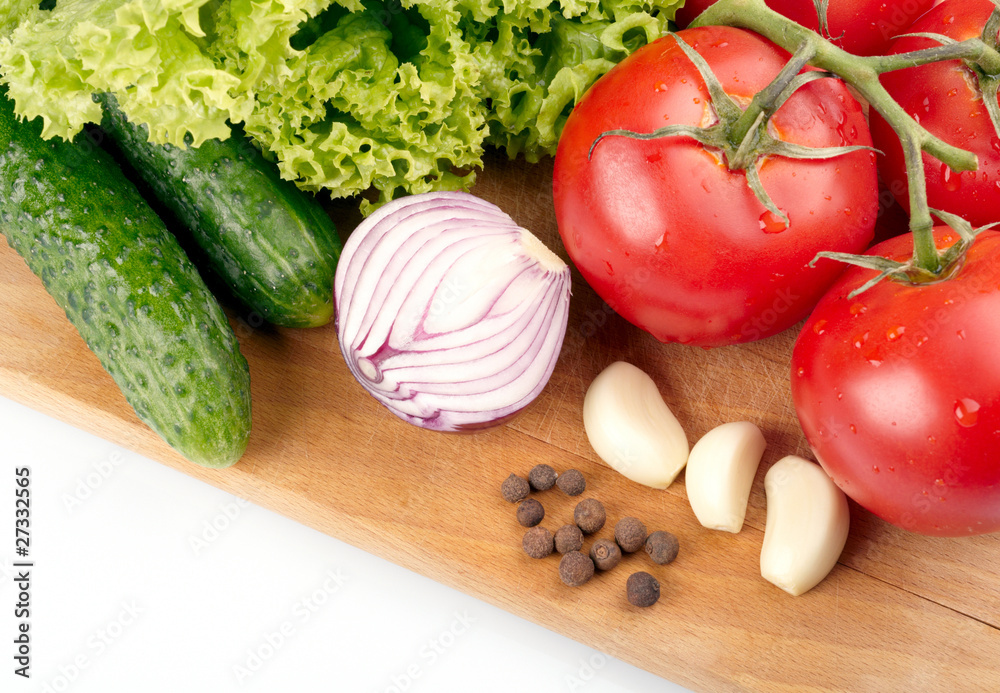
[346, 95]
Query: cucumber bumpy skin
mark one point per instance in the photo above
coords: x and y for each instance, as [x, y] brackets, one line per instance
[128, 287]
[271, 243]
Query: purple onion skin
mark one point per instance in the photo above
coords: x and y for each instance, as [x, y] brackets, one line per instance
[510, 324]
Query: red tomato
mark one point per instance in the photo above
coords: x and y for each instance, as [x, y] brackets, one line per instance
[945, 99]
[862, 27]
[898, 391]
[675, 241]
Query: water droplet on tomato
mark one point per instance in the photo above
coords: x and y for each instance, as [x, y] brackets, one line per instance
[840, 396]
[854, 429]
[696, 100]
[819, 327]
[800, 372]
[930, 439]
[858, 309]
[967, 412]
[951, 180]
[771, 222]
[859, 340]
[874, 360]
[960, 334]
[953, 92]
[662, 86]
[892, 469]
[922, 339]
[895, 333]
[950, 19]
[875, 468]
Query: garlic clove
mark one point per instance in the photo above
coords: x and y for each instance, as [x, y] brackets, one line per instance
[806, 528]
[720, 473]
[631, 428]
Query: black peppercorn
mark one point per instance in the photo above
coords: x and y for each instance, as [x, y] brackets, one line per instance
[605, 554]
[568, 538]
[542, 477]
[662, 547]
[589, 515]
[571, 482]
[630, 534]
[514, 489]
[642, 589]
[575, 568]
[537, 542]
[530, 512]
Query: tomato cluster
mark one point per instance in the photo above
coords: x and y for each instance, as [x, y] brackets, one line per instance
[897, 388]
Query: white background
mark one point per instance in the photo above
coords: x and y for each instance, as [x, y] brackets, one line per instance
[146, 580]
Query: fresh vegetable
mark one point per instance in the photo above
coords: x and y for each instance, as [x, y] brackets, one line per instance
[344, 95]
[864, 27]
[126, 285]
[668, 228]
[891, 376]
[948, 99]
[448, 312]
[898, 391]
[806, 527]
[271, 243]
[720, 473]
[631, 428]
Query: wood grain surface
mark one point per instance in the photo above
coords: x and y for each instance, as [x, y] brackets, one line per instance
[900, 612]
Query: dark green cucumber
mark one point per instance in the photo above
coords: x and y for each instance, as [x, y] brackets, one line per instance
[127, 286]
[271, 243]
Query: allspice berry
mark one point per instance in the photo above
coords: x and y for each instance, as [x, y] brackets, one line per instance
[605, 554]
[630, 534]
[575, 568]
[642, 589]
[568, 538]
[662, 547]
[542, 477]
[589, 515]
[571, 482]
[530, 512]
[514, 489]
[537, 542]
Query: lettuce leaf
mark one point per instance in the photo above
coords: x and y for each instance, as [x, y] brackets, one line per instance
[345, 95]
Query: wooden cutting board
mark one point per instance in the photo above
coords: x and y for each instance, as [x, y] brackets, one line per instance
[899, 613]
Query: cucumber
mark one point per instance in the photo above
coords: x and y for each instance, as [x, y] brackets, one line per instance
[127, 286]
[271, 243]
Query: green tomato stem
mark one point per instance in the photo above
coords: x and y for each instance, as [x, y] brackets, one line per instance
[971, 49]
[862, 73]
[766, 101]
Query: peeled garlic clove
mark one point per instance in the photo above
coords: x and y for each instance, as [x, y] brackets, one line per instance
[631, 428]
[720, 472]
[807, 523]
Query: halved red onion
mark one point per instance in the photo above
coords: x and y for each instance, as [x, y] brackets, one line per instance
[448, 312]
